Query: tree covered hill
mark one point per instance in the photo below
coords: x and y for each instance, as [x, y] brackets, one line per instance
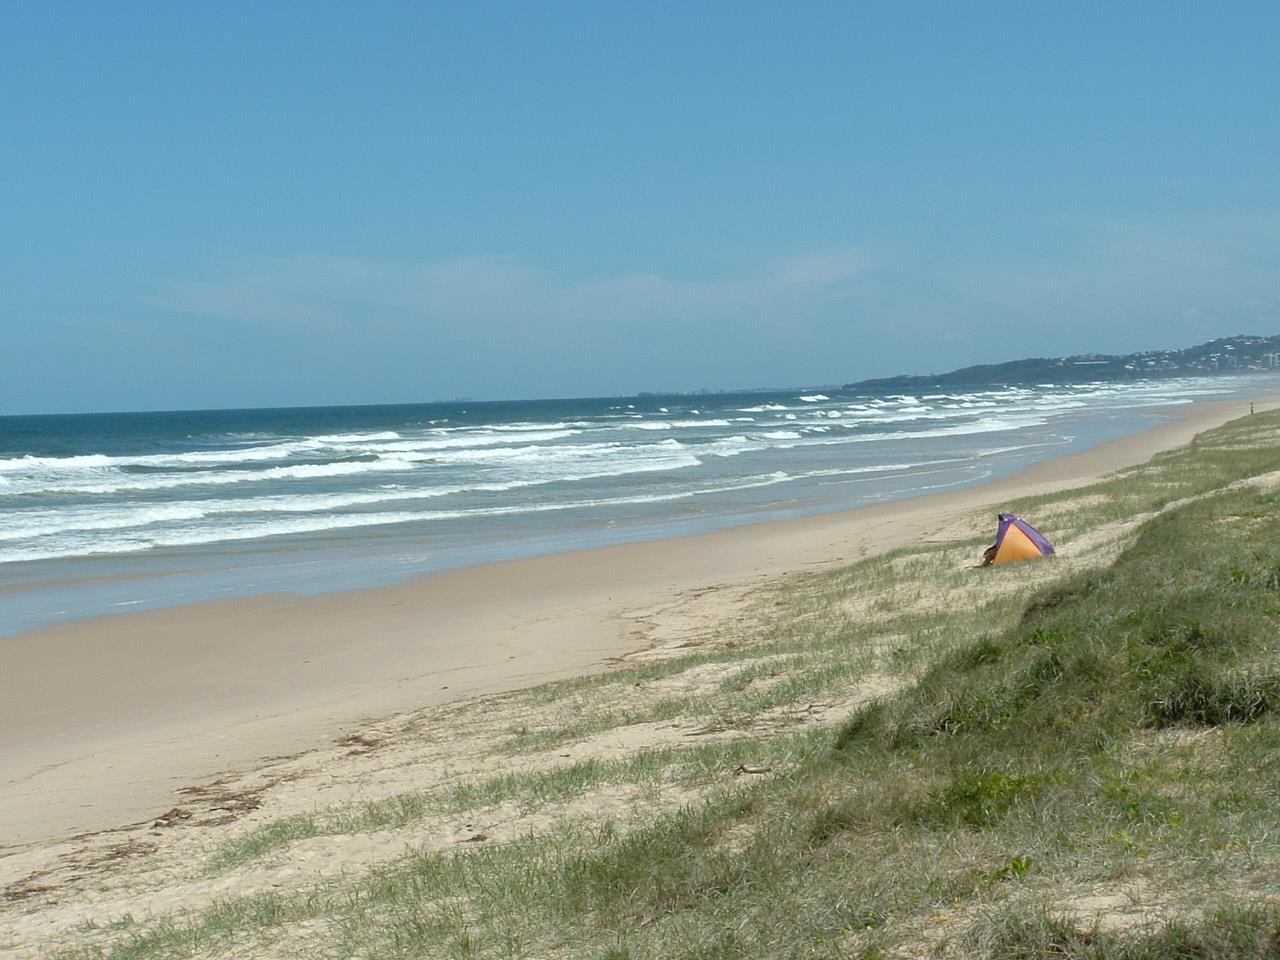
[1226, 355]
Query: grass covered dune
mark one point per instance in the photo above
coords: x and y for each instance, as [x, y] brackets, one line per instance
[902, 757]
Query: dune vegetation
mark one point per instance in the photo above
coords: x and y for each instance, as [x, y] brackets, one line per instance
[905, 756]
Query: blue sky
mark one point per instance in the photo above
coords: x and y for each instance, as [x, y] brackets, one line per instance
[212, 205]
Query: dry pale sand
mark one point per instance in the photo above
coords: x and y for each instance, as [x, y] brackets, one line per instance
[103, 722]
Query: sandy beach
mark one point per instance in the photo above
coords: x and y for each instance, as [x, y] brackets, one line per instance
[519, 483]
[102, 721]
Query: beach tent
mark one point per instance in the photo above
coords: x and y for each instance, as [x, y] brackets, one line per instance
[1017, 540]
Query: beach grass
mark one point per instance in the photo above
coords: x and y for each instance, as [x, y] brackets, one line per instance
[1074, 757]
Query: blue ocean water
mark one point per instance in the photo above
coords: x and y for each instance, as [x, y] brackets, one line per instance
[111, 512]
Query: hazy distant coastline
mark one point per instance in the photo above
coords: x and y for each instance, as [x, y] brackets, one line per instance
[1226, 355]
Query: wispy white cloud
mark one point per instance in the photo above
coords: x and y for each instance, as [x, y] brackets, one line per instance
[315, 292]
[1107, 282]
[822, 270]
[497, 326]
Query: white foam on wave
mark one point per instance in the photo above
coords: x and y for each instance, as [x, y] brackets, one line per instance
[468, 440]
[285, 448]
[728, 446]
[358, 437]
[487, 461]
[669, 453]
[981, 426]
[1057, 403]
[32, 523]
[529, 427]
[814, 398]
[763, 408]
[984, 425]
[56, 463]
[261, 529]
[669, 449]
[872, 471]
[308, 471]
[498, 429]
[69, 547]
[906, 415]
[700, 423]
[563, 464]
[116, 482]
[95, 461]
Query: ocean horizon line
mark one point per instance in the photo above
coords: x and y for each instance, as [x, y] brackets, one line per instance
[376, 404]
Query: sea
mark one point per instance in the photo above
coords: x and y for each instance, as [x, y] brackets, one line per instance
[108, 513]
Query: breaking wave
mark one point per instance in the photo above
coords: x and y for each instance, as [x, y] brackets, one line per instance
[80, 495]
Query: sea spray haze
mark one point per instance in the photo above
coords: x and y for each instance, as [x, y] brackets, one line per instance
[99, 513]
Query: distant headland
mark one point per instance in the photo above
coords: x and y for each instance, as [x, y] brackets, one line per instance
[1238, 354]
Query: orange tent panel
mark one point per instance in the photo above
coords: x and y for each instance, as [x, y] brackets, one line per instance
[1016, 546]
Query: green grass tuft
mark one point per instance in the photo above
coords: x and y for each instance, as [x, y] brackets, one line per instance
[1234, 933]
